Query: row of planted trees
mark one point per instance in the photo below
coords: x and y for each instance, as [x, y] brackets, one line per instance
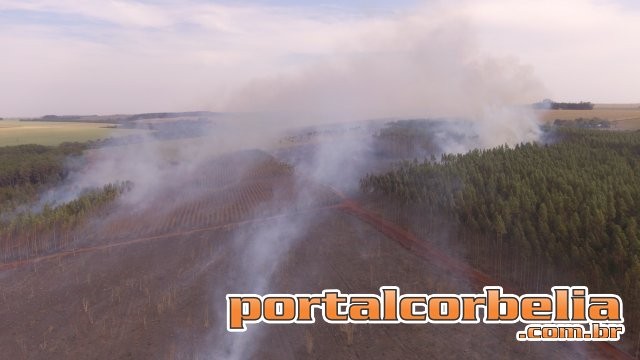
[26, 171]
[32, 233]
[538, 215]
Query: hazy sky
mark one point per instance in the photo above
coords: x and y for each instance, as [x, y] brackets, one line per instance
[100, 57]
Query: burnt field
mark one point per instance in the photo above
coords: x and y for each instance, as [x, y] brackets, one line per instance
[267, 179]
[149, 280]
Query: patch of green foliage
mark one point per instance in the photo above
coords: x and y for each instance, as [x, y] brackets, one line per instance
[572, 206]
[25, 170]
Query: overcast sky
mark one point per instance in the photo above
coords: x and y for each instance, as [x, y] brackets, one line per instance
[101, 57]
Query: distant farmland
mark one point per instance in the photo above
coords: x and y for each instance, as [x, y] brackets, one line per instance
[623, 117]
[15, 132]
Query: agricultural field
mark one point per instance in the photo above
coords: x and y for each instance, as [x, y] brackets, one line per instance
[623, 117]
[16, 132]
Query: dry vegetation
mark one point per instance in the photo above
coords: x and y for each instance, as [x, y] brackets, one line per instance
[624, 117]
[154, 300]
[15, 132]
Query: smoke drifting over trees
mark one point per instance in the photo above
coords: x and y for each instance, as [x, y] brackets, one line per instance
[426, 65]
[421, 67]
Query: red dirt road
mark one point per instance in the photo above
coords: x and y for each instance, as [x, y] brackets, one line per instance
[447, 263]
[413, 244]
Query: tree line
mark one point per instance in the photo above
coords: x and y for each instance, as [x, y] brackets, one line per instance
[539, 215]
[594, 123]
[550, 104]
[26, 171]
[33, 233]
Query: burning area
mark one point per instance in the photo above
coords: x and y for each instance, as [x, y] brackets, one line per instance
[402, 154]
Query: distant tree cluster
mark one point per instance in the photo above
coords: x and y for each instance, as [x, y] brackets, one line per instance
[66, 117]
[572, 207]
[25, 172]
[122, 119]
[550, 104]
[593, 123]
[27, 169]
[422, 137]
[572, 106]
[169, 115]
[29, 233]
[406, 137]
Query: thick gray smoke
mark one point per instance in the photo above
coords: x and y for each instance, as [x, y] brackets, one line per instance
[259, 252]
[424, 69]
[154, 164]
[421, 67]
[424, 65]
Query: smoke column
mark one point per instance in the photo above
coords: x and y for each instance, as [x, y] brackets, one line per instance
[419, 65]
[424, 66]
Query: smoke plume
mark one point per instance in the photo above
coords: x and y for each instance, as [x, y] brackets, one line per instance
[423, 65]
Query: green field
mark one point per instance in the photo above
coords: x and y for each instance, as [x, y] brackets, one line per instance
[15, 132]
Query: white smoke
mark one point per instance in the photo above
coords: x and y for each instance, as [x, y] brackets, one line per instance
[422, 66]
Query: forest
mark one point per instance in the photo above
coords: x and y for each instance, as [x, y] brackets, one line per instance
[550, 104]
[25, 172]
[584, 123]
[421, 137]
[572, 106]
[537, 215]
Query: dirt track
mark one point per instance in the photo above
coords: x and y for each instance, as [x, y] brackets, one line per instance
[442, 260]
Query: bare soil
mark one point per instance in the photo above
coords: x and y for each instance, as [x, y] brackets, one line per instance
[151, 284]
